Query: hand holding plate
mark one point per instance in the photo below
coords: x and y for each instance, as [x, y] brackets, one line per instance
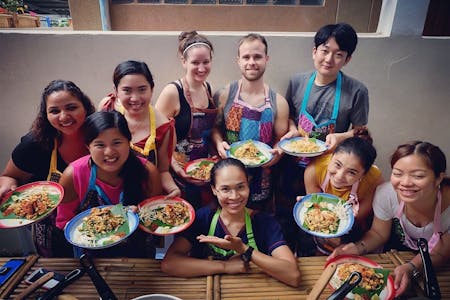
[349, 248]
[402, 278]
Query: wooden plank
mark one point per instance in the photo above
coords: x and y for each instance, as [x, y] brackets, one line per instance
[128, 278]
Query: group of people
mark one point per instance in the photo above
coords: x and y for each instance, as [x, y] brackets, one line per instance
[130, 150]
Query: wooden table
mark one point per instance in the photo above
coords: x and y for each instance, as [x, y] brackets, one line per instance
[257, 285]
[129, 278]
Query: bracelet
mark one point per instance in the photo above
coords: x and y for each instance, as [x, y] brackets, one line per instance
[415, 272]
[364, 247]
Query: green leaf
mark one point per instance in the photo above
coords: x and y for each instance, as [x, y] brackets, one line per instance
[361, 291]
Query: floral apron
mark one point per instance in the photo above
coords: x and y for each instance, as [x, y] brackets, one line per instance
[222, 254]
[202, 121]
[325, 245]
[244, 122]
[401, 236]
[44, 233]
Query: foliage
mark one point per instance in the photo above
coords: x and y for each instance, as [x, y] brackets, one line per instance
[11, 5]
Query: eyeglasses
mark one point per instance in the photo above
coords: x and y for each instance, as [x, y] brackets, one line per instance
[226, 190]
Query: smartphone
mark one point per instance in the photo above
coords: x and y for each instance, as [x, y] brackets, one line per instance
[9, 268]
[57, 278]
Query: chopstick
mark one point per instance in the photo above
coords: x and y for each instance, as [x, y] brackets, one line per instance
[9, 286]
[35, 285]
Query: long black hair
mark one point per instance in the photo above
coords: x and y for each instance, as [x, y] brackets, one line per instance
[133, 173]
[41, 129]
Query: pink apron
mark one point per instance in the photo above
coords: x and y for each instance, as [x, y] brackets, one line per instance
[409, 242]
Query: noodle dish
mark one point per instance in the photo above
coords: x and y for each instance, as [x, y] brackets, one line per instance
[323, 215]
[376, 282]
[200, 169]
[101, 227]
[299, 146]
[252, 153]
[161, 216]
[29, 203]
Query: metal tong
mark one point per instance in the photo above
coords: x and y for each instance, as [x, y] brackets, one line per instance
[68, 279]
[349, 284]
[100, 284]
[430, 283]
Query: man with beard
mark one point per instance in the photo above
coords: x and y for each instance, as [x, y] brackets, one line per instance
[249, 109]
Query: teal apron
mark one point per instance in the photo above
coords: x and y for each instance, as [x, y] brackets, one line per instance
[307, 122]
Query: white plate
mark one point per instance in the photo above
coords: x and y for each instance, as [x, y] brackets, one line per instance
[264, 149]
[53, 189]
[159, 201]
[72, 233]
[284, 145]
[301, 208]
[388, 291]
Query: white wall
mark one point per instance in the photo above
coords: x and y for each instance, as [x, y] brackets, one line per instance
[407, 77]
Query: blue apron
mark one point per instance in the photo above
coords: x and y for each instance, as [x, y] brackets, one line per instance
[307, 122]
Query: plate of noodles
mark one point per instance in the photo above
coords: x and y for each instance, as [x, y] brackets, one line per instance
[161, 216]
[200, 169]
[101, 227]
[29, 203]
[376, 283]
[299, 146]
[323, 215]
[252, 153]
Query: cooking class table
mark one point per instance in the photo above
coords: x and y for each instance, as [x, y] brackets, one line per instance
[129, 278]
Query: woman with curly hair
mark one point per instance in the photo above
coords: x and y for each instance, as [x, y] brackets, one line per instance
[54, 141]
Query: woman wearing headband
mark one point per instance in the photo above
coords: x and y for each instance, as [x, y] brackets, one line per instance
[188, 100]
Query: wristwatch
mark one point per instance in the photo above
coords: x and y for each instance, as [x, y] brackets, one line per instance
[247, 255]
[415, 272]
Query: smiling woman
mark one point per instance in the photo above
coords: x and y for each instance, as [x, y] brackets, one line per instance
[111, 174]
[414, 205]
[54, 141]
[348, 173]
[152, 133]
[189, 102]
[231, 235]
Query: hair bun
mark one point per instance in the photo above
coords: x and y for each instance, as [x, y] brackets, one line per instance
[362, 132]
[187, 34]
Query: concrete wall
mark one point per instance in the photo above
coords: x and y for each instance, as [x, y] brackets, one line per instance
[362, 14]
[407, 77]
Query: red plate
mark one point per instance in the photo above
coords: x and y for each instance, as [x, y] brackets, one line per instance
[55, 190]
[387, 293]
[159, 202]
[194, 164]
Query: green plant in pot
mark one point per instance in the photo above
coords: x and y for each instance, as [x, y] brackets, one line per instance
[11, 5]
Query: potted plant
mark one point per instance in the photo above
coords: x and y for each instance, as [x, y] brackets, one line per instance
[12, 19]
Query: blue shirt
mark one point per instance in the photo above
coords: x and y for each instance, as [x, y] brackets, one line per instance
[266, 230]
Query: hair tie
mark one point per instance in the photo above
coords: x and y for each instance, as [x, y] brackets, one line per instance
[196, 44]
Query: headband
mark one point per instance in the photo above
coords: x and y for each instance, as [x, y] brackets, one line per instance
[196, 44]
